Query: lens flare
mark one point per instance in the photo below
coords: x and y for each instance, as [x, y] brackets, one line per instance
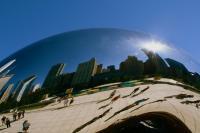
[155, 46]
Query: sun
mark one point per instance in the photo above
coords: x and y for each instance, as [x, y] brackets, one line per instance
[154, 45]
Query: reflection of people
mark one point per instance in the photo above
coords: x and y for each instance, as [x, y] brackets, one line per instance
[23, 112]
[66, 102]
[69, 92]
[14, 116]
[3, 120]
[26, 126]
[19, 115]
[7, 122]
[59, 100]
[72, 100]
[68, 96]
[197, 105]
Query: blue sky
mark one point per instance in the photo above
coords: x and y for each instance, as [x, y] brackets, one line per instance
[23, 22]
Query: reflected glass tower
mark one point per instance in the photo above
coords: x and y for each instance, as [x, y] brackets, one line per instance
[84, 73]
[4, 80]
[54, 72]
[24, 87]
[6, 94]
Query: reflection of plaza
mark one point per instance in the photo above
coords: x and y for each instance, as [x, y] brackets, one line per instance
[87, 114]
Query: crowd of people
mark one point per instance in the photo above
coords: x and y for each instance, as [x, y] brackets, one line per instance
[68, 99]
[17, 115]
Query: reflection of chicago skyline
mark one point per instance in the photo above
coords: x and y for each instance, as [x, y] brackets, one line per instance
[89, 74]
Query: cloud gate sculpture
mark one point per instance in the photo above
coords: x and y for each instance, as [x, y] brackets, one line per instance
[101, 80]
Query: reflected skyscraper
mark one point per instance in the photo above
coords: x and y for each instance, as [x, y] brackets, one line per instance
[53, 73]
[4, 80]
[24, 87]
[6, 66]
[177, 69]
[16, 89]
[111, 68]
[35, 87]
[132, 66]
[155, 64]
[6, 94]
[84, 73]
[99, 68]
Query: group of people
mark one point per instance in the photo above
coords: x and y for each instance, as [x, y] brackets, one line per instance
[5, 121]
[68, 100]
[16, 116]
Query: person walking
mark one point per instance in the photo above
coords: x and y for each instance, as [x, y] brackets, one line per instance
[19, 115]
[26, 126]
[68, 96]
[3, 120]
[7, 122]
[72, 100]
[23, 112]
[14, 116]
[66, 102]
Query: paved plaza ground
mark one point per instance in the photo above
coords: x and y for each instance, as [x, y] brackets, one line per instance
[95, 112]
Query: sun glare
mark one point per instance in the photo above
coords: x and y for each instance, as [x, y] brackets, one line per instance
[154, 46]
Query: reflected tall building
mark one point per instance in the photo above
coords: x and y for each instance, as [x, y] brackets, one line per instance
[24, 87]
[16, 89]
[54, 72]
[155, 64]
[4, 80]
[35, 87]
[3, 74]
[84, 73]
[6, 94]
[132, 66]
[111, 68]
[99, 68]
[6, 66]
[177, 69]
